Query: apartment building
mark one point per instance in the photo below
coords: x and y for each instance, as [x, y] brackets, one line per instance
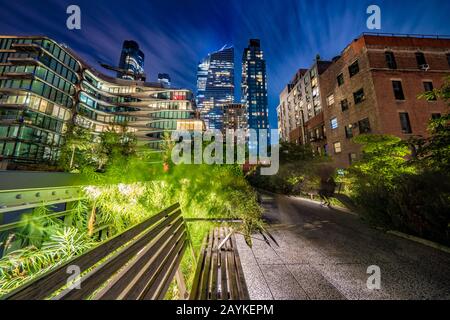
[300, 113]
[373, 88]
[45, 87]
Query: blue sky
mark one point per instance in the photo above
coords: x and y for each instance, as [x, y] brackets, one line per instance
[175, 35]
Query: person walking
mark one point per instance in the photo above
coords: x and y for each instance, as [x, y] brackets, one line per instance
[326, 190]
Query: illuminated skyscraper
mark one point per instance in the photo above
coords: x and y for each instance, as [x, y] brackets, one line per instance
[215, 86]
[131, 62]
[254, 86]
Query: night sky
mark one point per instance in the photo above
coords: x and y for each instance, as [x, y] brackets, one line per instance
[175, 35]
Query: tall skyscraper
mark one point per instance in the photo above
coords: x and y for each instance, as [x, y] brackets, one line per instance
[131, 62]
[215, 86]
[254, 86]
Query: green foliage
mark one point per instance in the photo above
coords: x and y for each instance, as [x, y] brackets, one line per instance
[383, 159]
[433, 152]
[298, 173]
[61, 244]
[127, 185]
[396, 191]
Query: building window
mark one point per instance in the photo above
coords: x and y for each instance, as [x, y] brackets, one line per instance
[340, 79]
[352, 157]
[337, 147]
[334, 123]
[359, 96]
[448, 59]
[390, 60]
[428, 86]
[330, 100]
[435, 116]
[421, 61]
[364, 126]
[353, 69]
[405, 124]
[344, 105]
[398, 90]
[349, 131]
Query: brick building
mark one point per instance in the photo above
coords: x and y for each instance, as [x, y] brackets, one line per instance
[289, 110]
[373, 87]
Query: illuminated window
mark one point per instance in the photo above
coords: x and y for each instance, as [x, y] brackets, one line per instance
[337, 147]
[330, 100]
[334, 123]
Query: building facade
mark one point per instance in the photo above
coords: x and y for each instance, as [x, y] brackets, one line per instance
[301, 108]
[234, 117]
[215, 86]
[131, 63]
[290, 115]
[45, 87]
[254, 86]
[373, 88]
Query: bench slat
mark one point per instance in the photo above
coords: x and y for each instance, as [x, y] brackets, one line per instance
[162, 282]
[205, 273]
[242, 287]
[223, 268]
[198, 270]
[49, 282]
[135, 275]
[214, 265]
[223, 265]
[94, 279]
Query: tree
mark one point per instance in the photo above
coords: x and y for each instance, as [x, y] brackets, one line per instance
[433, 152]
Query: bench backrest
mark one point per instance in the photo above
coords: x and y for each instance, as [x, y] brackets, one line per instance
[219, 274]
[138, 264]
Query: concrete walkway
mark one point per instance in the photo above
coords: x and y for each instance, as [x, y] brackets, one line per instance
[324, 254]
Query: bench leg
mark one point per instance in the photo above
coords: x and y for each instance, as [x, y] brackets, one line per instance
[184, 295]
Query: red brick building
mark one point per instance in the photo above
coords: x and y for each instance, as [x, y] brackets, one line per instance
[373, 87]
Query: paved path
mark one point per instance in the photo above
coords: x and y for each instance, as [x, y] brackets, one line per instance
[324, 254]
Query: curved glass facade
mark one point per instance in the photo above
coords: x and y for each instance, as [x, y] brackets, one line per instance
[44, 87]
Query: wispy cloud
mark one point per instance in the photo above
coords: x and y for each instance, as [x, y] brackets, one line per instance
[175, 35]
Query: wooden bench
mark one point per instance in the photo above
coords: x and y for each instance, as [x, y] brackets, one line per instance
[138, 264]
[219, 274]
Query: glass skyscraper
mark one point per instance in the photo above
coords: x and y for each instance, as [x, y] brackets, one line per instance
[215, 86]
[254, 86]
[131, 62]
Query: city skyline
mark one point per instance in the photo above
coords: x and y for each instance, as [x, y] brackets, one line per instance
[289, 41]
